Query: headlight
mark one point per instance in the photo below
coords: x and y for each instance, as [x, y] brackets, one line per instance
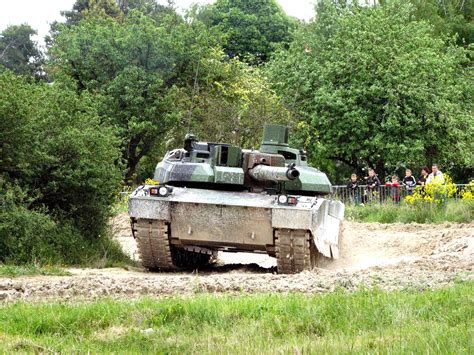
[163, 191]
[287, 200]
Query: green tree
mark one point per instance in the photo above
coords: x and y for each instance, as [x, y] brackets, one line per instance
[226, 101]
[132, 68]
[156, 77]
[83, 7]
[147, 7]
[230, 102]
[112, 8]
[375, 88]
[252, 30]
[18, 52]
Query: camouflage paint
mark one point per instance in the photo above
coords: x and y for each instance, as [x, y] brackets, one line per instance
[224, 164]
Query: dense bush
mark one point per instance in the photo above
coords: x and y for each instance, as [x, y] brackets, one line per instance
[31, 235]
[59, 170]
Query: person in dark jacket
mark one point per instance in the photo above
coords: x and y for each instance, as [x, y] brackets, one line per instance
[373, 184]
[353, 188]
[409, 181]
[425, 172]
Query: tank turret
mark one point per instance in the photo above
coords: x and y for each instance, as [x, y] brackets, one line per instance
[274, 167]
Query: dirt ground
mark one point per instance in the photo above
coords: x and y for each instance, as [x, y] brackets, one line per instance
[393, 256]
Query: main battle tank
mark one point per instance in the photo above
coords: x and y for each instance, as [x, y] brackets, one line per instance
[212, 197]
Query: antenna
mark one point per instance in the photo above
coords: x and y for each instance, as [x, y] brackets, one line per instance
[195, 89]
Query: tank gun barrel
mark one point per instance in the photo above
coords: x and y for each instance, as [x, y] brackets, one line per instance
[273, 173]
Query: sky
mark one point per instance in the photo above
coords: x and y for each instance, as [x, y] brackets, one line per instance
[39, 14]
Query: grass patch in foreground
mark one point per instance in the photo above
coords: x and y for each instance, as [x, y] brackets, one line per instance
[31, 270]
[433, 321]
[457, 211]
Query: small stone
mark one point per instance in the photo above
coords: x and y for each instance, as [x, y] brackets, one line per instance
[147, 331]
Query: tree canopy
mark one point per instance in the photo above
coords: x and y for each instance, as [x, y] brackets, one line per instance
[376, 88]
[153, 75]
[18, 52]
[131, 66]
[452, 17]
[251, 30]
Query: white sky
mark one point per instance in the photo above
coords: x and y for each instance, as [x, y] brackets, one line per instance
[39, 14]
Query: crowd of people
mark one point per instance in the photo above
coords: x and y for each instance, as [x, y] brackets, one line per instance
[373, 183]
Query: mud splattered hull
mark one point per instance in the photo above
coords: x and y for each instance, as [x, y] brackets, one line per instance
[241, 221]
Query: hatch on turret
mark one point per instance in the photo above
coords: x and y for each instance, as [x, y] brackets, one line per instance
[227, 155]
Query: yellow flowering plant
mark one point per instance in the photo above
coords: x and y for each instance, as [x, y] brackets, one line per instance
[467, 191]
[151, 182]
[435, 192]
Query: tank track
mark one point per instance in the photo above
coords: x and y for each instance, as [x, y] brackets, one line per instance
[157, 253]
[153, 244]
[295, 251]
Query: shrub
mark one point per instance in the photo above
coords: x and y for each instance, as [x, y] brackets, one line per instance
[59, 167]
[467, 193]
[435, 192]
[31, 235]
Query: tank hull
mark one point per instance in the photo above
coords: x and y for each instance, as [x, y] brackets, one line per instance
[239, 221]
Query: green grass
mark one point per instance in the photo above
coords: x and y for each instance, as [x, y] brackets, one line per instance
[458, 211]
[366, 321]
[31, 270]
[100, 254]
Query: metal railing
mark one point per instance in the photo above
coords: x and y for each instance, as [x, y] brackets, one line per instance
[360, 195]
[379, 194]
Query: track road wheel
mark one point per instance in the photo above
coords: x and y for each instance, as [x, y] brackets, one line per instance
[295, 251]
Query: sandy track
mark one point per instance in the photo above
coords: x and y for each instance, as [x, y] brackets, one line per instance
[389, 256]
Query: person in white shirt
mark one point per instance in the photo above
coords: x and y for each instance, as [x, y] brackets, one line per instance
[436, 175]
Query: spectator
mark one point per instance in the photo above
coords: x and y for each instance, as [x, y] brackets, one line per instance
[353, 188]
[436, 175]
[425, 171]
[373, 183]
[409, 181]
[395, 188]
